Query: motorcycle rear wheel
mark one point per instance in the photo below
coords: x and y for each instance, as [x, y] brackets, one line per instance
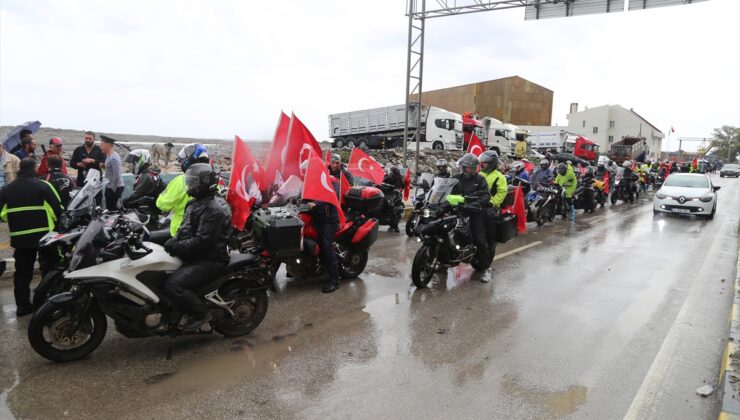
[422, 269]
[47, 336]
[353, 264]
[250, 308]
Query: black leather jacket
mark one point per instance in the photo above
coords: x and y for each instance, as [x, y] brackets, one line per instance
[204, 231]
[474, 189]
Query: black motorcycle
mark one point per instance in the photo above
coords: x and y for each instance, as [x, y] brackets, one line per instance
[626, 190]
[390, 213]
[444, 232]
[548, 202]
[418, 200]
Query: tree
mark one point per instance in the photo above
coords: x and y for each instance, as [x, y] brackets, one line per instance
[726, 139]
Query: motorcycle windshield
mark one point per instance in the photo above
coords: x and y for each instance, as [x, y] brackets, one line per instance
[84, 251]
[85, 197]
[441, 189]
[290, 190]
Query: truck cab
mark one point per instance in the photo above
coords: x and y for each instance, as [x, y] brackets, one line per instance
[472, 127]
[440, 130]
[583, 148]
[501, 137]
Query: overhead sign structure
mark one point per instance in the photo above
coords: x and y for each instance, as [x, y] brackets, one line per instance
[649, 4]
[538, 9]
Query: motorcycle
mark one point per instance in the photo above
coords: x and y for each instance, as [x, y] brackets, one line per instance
[444, 232]
[626, 190]
[418, 203]
[584, 190]
[600, 195]
[391, 210]
[113, 273]
[351, 242]
[549, 203]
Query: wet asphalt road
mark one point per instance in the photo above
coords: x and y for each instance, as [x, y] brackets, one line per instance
[620, 314]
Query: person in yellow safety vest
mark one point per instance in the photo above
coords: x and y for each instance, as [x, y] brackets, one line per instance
[498, 188]
[567, 179]
[31, 208]
[520, 149]
[175, 197]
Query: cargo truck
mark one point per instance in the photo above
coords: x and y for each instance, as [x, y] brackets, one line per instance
[382, 128]
[564, 142]
[629, 148]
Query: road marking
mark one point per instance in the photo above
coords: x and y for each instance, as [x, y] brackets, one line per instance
[514, 251]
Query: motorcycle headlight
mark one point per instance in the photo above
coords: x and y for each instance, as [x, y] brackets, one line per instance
[426, 213]
[706, 198]
[660, 195]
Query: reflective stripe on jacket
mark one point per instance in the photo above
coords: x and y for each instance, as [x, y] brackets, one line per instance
[31, 207]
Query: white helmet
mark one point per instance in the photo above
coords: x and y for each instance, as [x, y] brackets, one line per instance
[140, 158]
[192, 153]
[627, 164]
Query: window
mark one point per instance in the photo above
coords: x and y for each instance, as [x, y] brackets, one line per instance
[596, 130]
[611, 139]
[441, 123]
[584, 123]
[611, 124]
[499, 133]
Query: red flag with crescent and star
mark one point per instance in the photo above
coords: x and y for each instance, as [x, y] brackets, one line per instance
[244, 184]
[272, 164]
[317, 186]
[407, 184]
[475, 146]
[298, 147]
[363, 166]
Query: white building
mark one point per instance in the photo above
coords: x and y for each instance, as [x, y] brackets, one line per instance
[611, 123]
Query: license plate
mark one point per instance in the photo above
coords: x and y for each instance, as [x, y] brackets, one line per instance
[681, 210]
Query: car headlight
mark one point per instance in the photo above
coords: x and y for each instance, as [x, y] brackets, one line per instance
[707, 198]
[660, 195]
[426, 213]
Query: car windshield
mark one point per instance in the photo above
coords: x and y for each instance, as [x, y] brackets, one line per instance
[731, 166]
[687, 181]
[442, 187]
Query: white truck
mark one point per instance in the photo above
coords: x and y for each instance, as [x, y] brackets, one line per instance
[564, 142]
[382, 128]
[502, 137]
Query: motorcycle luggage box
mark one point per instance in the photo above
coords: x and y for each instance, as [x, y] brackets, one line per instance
[506, 228]
[365, 236]
[364, 199]
[279, 231]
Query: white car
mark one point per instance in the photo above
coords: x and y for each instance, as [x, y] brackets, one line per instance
[687, 193]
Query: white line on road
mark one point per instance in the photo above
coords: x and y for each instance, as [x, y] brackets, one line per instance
[515, 250]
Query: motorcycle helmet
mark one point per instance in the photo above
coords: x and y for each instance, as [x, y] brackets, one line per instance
[192, 153]
[200, 180]
[589, 171]
[649, 162]
[544, 164]
[563, 168]
[600, 166]
[441, 165]
[517, 166]
[140, 159]
[489, 160]
[469, 164]
[627, 164]
[394, 170]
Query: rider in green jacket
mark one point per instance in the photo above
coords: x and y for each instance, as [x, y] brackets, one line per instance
[175, 197]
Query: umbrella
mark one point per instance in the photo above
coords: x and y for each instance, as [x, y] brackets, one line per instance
[12, 140]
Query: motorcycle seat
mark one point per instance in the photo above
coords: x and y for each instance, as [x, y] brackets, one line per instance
[237, 261]
[159, 237]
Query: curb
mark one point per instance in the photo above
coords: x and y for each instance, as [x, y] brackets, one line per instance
[728, 391]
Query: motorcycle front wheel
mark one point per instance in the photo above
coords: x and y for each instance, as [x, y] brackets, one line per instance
[423, 267]
[249, 307]
[56, 333]
[353, 264]
[411, 225]
[614, 197]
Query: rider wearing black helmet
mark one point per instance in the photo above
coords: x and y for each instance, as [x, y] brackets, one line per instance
[394, 179]
[442, 170]
[474, 188]
[200, 243]
[174, 198]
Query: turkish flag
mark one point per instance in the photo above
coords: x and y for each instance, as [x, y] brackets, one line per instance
[475, 146]
[328, 157]
[244, 184]
[518, 209]
[344, 187]
[606, 182]
[273, 164]
[528, 166]
[317, 186]
[362, 165]
[298, 147]
[407, 184]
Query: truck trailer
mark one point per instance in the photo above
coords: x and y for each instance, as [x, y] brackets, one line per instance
[629, 148]
[382, 128]
[564, 142]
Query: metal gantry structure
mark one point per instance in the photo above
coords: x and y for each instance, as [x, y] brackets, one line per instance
[417, 12]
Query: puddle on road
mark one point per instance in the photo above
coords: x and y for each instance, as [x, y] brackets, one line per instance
[554, 404]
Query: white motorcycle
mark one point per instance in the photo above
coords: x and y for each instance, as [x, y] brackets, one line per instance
[112, 272]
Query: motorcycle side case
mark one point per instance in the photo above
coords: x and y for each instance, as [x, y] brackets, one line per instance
[364, 199]
[506, 228]
[365, 236]
[279, 231]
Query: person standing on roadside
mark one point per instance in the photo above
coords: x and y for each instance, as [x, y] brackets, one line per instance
[55, 149]
[9, 167]
[113, 172]
[31, 208]
[86, 157]
[28, 146]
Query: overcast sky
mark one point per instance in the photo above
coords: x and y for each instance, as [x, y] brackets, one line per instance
[218, 68]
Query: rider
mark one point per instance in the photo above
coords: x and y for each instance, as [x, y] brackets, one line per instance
[394, 179]
[175, 197]
[600, 171]
[474, 189]
[201, 243]
[543, 175]
[442, 170]
[520, 170]
[588, 192]
[498, 188]
[567, 179]
[337, 168]
[63, 183]
[148, 182]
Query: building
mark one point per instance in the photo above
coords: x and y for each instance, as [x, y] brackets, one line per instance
[512, 100]
[611, 123]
